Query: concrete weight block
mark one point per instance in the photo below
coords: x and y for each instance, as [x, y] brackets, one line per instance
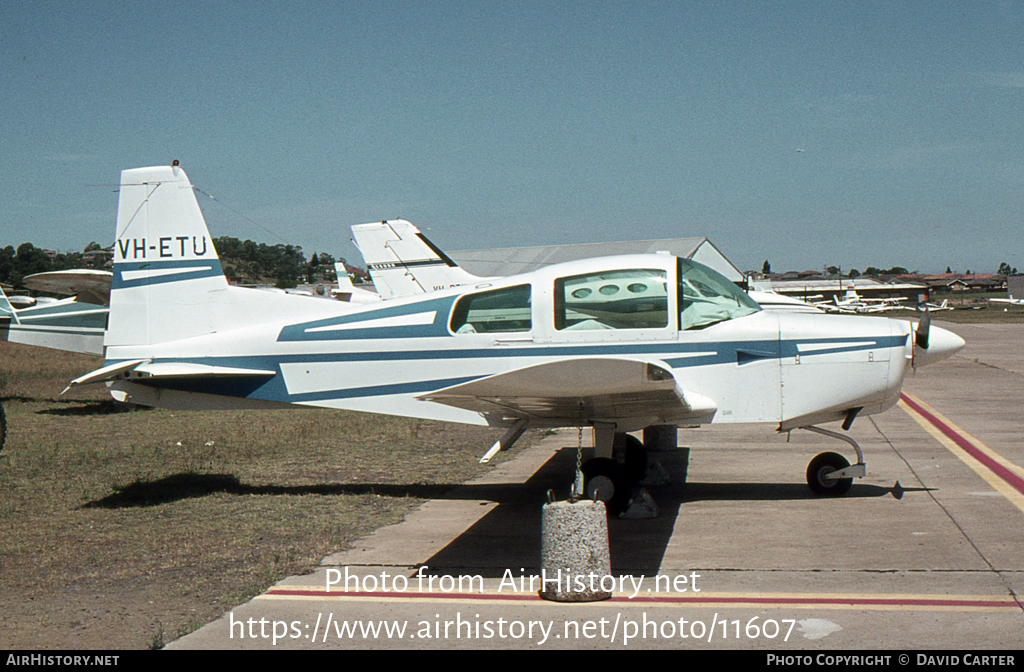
[574, 551]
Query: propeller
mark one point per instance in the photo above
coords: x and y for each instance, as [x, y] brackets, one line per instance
[921, 336]
[932, 345]
[923, 327]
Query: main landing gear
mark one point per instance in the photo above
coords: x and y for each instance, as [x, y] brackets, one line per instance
[615, 479]
[830, 474]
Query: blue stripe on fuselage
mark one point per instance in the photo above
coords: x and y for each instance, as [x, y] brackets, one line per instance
[275, 390]
[439, 327]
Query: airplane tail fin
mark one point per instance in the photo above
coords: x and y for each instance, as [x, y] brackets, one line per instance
[344, 281]
[164, 261]
[403, 262]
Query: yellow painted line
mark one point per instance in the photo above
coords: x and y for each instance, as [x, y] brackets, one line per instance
[1004, 476]
[856, 602]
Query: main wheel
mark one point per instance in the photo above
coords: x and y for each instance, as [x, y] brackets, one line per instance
[630, 452]
[606, 480]
[821, 466]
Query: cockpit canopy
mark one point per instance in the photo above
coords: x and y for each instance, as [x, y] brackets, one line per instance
[602, 300]
[707, 297]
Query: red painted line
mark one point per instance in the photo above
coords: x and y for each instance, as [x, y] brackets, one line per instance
[999, 470]
[753, 599]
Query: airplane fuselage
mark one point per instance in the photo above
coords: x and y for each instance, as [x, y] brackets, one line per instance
[790, 369]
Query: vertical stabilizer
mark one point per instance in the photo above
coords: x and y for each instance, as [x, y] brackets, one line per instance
[165, 266]
[403, 262]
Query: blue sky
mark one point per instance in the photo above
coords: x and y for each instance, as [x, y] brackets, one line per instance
[807, 133]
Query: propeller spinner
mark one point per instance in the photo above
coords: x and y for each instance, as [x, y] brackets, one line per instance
[933, 344]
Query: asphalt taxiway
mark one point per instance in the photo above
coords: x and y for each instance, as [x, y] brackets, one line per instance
[925, 552]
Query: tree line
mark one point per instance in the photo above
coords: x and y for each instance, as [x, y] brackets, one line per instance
[244, 261]
[872, 272]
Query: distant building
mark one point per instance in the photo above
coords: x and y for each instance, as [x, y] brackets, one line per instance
[99, 258]
[514, 260]
[962, 282]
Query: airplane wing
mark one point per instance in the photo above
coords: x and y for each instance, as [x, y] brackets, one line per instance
[89, 285]
[585, 389]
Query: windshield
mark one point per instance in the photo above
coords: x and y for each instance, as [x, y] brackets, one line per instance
[707, 297]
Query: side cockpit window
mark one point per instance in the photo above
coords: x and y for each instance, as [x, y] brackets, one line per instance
[633, 299]
[500, 310]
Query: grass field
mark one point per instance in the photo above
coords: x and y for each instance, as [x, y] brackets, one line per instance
[128, 528]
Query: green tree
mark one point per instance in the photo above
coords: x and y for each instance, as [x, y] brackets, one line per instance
[766, 268]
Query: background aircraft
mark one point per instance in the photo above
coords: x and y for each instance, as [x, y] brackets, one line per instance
[852, 302]
[62, 324]
[539, 351]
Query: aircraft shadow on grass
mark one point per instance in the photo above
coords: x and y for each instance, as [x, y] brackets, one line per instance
[102, 407]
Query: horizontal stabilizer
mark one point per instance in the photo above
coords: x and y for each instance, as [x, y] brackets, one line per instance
[103, 374]
[564, 392]
[143, 369]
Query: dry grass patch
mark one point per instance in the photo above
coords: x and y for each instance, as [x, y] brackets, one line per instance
[128, 528]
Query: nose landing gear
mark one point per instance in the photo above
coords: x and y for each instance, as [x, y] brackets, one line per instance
[830, 474]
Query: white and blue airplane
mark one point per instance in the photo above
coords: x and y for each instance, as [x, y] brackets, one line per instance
[564, 346]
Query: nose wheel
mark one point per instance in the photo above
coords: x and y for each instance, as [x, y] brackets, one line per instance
[830, 474]
[820, 475]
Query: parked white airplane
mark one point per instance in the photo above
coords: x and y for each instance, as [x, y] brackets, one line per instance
[1012, 302]
[530, 350]
[932, 307]
[852, 302]
[61, 324]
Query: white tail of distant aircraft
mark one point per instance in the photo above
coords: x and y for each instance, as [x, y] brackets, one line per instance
[403, 262]
[346, 291]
